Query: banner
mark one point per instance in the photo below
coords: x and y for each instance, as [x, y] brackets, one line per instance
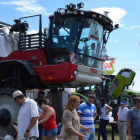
[109, 67]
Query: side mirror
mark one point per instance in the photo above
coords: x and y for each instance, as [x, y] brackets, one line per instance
[56, 30]
[116, 26]
[57, 18]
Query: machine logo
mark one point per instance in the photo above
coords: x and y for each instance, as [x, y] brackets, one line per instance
[93, 70]
[59, 61]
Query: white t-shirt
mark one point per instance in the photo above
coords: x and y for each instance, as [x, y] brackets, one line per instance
[27, 111]
[39, 110]
[122, 113]
[103, 113]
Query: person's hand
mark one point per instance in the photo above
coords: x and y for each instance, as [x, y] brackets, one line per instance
[59, 136]
[129, 138]
[26, 135]
[87, 130]
[107, 113]
[81, 137]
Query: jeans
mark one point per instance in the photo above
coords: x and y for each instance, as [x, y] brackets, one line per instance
[40, 132]
[90, 136]
[102, 128]
[135, 137]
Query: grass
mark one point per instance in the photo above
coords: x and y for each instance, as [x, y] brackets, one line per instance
[108, 129]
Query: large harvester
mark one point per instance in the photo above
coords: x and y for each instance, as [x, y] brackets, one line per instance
[67, 54]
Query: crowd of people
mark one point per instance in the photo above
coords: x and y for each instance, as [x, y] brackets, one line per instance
[38, 120]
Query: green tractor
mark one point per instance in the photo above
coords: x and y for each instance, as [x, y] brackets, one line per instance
[114, 88]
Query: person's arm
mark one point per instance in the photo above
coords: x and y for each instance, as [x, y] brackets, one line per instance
[40, 115]
[67, 118]
[85, 128]
[129, 129]
[95, 115]
[80, 110]
[48, 115]
[73, 131]
[32, 123]
[109, 109]
[79, 114]
[34, 117]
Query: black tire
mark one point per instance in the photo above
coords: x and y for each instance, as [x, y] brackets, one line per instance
[9, 106]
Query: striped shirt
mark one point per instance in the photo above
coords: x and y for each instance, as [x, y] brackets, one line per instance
[87, 112]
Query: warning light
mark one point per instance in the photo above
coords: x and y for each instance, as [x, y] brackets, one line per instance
[49, 77]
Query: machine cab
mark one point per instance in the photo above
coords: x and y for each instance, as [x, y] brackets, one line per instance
[80, 38]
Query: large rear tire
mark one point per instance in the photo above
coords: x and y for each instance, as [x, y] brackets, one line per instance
[8, 110]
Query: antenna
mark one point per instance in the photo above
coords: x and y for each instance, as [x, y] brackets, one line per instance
[106, 13]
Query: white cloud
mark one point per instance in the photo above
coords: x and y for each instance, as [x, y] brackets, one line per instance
[28, 7]
[113, 40]
[137, 35]
[115, 13]
[132, 27]
[32, 32]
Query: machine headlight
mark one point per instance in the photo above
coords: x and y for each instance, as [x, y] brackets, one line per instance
[100, 16]
[80, 5]
[75, 72]
[72, 7]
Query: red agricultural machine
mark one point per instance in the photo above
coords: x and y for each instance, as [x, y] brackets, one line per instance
[67, 54]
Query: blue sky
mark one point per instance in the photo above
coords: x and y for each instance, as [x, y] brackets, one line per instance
[123, 42]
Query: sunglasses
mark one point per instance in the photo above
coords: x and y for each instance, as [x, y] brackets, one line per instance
[78, 102]
[92, 97]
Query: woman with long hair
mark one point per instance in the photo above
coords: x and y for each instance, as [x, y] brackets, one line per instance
[104, 117]
[71, 121]
[48, 115]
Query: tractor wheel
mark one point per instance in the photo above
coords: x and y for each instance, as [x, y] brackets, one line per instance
[8, 110]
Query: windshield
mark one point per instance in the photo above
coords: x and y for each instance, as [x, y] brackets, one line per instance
[90, 38]
[90, 43]
[63, 44]
[67, 35]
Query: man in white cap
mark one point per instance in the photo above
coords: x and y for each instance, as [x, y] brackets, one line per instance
[122, 120]
[27, 117]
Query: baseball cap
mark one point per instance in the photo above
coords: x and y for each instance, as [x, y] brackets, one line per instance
[123, 102]
[16, 94]
[8, 137]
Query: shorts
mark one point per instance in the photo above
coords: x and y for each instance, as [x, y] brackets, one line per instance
[49, 133]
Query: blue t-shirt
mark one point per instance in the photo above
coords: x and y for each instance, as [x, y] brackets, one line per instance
[134, 116]
[87, 112]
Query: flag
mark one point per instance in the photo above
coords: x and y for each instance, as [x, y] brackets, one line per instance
[109, 67]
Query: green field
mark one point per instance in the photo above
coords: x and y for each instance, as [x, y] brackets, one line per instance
[116, 135]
